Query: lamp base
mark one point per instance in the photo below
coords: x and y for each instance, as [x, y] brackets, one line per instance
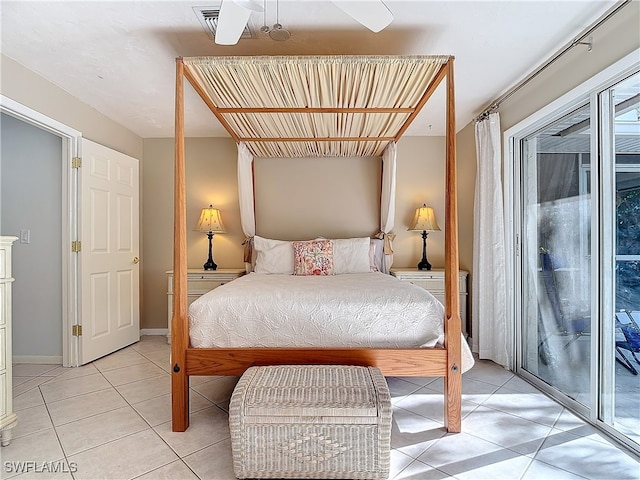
[424, 265]
[210, 265]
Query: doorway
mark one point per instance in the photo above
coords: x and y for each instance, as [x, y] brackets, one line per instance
[57, 145]
[101, 295]
[31, 198]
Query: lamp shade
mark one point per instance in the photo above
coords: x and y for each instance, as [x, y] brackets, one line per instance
[425, 220]
[210, 221]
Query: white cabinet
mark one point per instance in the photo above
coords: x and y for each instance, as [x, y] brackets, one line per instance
[433, 281]
[200, 282]
[8, 419]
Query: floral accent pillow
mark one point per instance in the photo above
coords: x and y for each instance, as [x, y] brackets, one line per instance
[313, 257]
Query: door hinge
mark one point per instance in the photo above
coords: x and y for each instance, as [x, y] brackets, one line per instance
[76, 162]
[76, 330]
[76, 246]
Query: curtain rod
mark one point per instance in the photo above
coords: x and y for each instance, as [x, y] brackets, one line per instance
[577, 41]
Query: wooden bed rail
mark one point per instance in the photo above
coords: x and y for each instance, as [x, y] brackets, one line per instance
[425, 362]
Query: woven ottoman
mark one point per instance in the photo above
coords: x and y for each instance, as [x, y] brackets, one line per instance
[311, 421]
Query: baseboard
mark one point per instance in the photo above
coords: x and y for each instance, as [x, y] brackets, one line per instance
[154, 331]
[38, 359]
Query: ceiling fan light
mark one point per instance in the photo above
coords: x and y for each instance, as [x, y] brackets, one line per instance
[279, 33]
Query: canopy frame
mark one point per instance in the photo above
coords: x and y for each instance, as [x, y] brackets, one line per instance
[187, 361]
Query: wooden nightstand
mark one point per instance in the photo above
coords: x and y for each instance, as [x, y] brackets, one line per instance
[433, 281]
[200, 282]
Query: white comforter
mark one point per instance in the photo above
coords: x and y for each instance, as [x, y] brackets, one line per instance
[350, 310]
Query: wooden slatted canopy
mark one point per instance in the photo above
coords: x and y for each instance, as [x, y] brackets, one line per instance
[305, 106]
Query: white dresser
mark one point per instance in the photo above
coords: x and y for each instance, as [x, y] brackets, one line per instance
[200, 282]
[433, 281]
[8, 419]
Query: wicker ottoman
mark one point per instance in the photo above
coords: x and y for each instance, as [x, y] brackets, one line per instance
[311, 421]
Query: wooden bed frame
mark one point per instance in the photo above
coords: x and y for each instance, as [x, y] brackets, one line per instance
[446, 362]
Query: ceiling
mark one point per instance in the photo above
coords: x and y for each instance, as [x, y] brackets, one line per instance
[119, 57]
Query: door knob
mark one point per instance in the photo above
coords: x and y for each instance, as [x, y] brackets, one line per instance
[136, 260]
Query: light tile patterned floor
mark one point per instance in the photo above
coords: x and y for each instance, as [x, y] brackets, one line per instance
[111, 420]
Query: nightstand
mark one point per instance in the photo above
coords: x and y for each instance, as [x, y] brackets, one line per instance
[433, 281]
[8, 419]
[200, 282]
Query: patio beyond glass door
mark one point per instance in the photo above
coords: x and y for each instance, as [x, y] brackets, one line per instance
[556, 255]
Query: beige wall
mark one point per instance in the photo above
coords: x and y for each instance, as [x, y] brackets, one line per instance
[420, 179]
[466, 145]
[612, 41]
[345, 192]
[302, 198]
[28, 88]
[211, 179]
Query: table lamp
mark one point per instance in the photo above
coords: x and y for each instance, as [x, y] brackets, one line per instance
[425, 221]
[210, 223]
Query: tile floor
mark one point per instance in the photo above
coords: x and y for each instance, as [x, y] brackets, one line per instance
[111, 420]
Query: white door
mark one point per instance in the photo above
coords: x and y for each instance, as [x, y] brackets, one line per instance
[109, 269]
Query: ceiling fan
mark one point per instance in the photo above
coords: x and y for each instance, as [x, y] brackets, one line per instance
[234, 15]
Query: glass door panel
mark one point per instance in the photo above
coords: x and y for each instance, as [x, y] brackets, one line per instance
[626, 133]
[556, 256]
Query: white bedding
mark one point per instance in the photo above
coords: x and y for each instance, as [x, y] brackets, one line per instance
[350, 310]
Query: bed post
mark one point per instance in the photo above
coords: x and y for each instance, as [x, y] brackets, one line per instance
[179, 327]
[453, 378]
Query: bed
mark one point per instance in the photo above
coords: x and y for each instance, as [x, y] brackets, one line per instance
[317, 106]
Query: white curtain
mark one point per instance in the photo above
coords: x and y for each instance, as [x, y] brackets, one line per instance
[490, 326]
[388, 202]
[245, 194]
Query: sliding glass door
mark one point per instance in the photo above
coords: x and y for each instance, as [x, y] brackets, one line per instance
[579, 259]
[625, 100]
[556, 253]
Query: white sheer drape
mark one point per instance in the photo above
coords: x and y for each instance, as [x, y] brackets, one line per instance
[388, 202]
[490, 325]
[245, 195]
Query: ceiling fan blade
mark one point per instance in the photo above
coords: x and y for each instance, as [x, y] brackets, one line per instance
[250, 4]
[232, 19]
[373, 14]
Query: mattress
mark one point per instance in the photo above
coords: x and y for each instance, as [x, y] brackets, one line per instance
[359, 310]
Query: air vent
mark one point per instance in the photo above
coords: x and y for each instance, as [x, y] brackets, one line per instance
[208, 17]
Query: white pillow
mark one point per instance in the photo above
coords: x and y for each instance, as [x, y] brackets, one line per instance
[351, 255]
[273, 256]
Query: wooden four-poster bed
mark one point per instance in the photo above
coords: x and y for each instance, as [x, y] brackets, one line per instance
[423, 74]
